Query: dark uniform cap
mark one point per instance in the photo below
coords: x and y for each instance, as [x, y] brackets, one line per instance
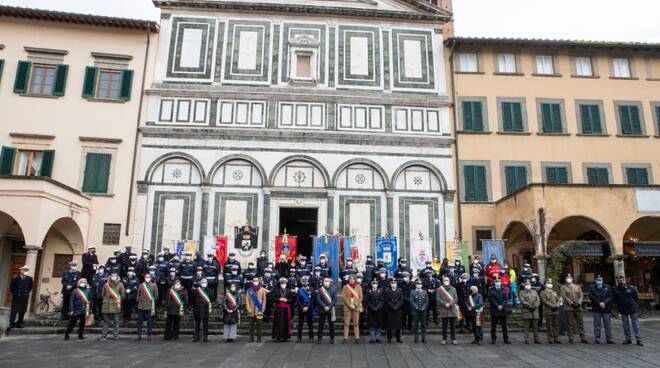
[283, 280]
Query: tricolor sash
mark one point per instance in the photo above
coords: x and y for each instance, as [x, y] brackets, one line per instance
[204, 296]
[446, 295]
[85, 301]
[147, 291]
[177, 299]
[477, 310]
[355, 298]
[114, 295]
[231, 299]
[328, 299]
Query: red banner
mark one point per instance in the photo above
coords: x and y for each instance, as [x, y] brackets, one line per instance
[221, 249]
[288, 249]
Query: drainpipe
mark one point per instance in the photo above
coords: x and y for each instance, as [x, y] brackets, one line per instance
[137, 132]
[459, 216]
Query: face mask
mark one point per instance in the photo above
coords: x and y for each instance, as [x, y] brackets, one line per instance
[492, 261]
[203, 284]
[114, 278]
[475, 261]
[231, 259]
[497, 285]
[152, 273]
[393, 286]
[349, 264]
[569, 280]
[533, 279]
[359, 281]
[528, 287]
[147, 279]
[262, 255]
[283, 286]
[428, 265]
[599, 283]
[403, 264]
[234, 273]
[82, 285]
[161, 259]
[177, 286]
[323, 261]
[186, 259]
[131, 274]
[457, 263]
[374, 286]
[548, 286]
[199, 273]
[113, 261]
[255, 283]
[232, 288]
[282, 260]
[475, 274]
[172, 273]
[406, 279]
[267, 274]
[326, 284]
[382, 276]
[446, 283]
[302, 263]
[73, 268]
[101, 272]
[418, 286]
[317, 274]
[144, 256]
[464, 280]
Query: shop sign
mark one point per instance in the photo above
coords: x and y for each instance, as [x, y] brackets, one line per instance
[647, 249]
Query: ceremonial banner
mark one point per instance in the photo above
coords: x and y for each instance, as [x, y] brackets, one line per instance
[246, 239]
[386, 250]
[208, 245]
[191, 247]
[493, 246]
[420, 253]
[286, 244]
[221, 249]
[456, 250]
[357, 249]
[180, 247]
[328, 246]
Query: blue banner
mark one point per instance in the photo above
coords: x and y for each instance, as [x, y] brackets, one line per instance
[492, 246]
[386, 250]
[329, 246]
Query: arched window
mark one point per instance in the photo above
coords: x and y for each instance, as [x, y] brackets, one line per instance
[176, 171]
[237, 173]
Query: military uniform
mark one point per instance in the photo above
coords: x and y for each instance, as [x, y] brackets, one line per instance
[305, 300]
[21, 287]
[392, 313]
[530, 301]
[602, 293]
[419, 302]
[131, 284]
[551, 303]
[573, 297]
[375, 301]
[498, 312]
[69, 282]
[211, 272]
[186, 273]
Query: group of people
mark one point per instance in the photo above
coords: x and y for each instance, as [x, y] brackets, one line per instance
[371, 298]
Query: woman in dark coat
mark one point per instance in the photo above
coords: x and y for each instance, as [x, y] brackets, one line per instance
[283, 300]
[374, 301]
[79, 308]
[392, 312]
[231, 307]
[176, 303]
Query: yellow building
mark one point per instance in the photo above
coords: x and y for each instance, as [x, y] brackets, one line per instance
[557, 143]
[70, 91]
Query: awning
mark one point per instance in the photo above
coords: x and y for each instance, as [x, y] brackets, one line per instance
[647, 249]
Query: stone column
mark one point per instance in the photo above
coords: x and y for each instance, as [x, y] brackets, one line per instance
[450, 221]
[265, 233]
[541, 256]
[205, 213]
[32, 252]
[389, 197]
[619, 268]
[140, 215]
[330, 218]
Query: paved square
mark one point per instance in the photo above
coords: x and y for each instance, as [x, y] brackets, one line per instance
[52, 351]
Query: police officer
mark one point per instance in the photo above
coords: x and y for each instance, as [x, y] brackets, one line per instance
[601, 300]
[20, 289]
[269, 282]
[143, 264]
[401, 268]
[172, 278]
[161, 278]
[167, 255]
[262, 263]
[419, 302]
[458, 271]
[69, 282]
[98, 281]
[369, 270]
[233, 277]
[199, 259]
[231, 261]
[316, 280]
[303, 269]
[249, 273]
[174, 262]
[406, 285]
[112, 266]
[428, 266]
[282, 267]
[89, 262]
[479, 280]
[430, 284]
[211, 272]
[294, 281]
[626, 297]
[131, 284]
[186, 273]
[198, 276]
[463, 292]
[131, 262]
[383, 281]
[305, 305]
[326, 270]
[347, 272]
[123, 258]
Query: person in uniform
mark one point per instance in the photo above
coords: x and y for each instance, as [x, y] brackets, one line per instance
[112, 266]
[142, 267]
[124, 258]
[131, 263]
[374, 306]
[499, 310]
[478, 280]
[406, 286]
[325, 300]
[573, 297]
[303, 268]
[113, 294]
[211, 269]
[79, 309]
[284, 298]
[430, 284]
[448, 309]
[161, 279]
[475, 310]
[186, 273]
[530, 301]
[231, 311]
[21, 287]
[347, 272]
[537, 286]
[459, 270]
[293, 280]
[326, 270]
[201, 311]
[601, 300]
[131, 284]
[90, 262]
[463, 292]
[69, 282]
[493, 269]
[96, 290]
[255, 301]
[383, 282]
[167, 255]
[282, 267]
[419, 302]
[369, 270]
[401, 268]
[393, 314]
[305, 306]
[316, 280]
[352, 297]
[198, 276]
[269, 283]
[233, 277]
[551, 304]
[262, 263]
[175, 306]
[248, 274]
[147, 294]
[626, 298]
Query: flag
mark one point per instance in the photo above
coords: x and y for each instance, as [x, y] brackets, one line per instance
[328, 246]
[357, 249]
[191, 247]
[457, 250]
[221, 249]
[493, 246]
[420, 253]
[288, 248]
[180, 247]
[387, 251]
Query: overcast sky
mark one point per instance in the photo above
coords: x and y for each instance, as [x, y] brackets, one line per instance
[602, 20]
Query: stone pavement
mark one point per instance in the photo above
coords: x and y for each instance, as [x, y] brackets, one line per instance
[52, 351]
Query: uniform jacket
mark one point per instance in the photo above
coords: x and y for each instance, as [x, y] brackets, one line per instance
[392, 310]
[443, 300]
[262, 264]
[211, 271]
[171, 305]
[419, 300]
[130, 287]
[530, 301]
[551, 301]
[227, 267]
[109, 304]
[601, 295]
[97, 283]
[187, 270]
[77, 304]
[143, 301]
[70, 278]
[626, 298]
[88, 262]
[302, 302]
[369, 271]
[572, 295]
[20, 288]
[497, 297]
[161, 273]
[111, 268]
[374, 301]
[249, 304]
[347, 296]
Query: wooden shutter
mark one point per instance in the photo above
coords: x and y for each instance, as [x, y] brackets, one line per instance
[637, 176]
[546, 117]
[510, 178]
[556, 118]
[470, 187]
[634, 120]
[126, 85]
[47, 163]
[657, 118]
[517, 117]
[521, 177]
[61, 72]
[587, 122]
[507, 117]
[2, 67]
[7, 156]
[597, 176]
[626, 122]
[22, 76]
[551, 175]
[89, 83]
[592, 176]
[477, 113]
[468, 119]
[562, 175]
[596, 125]
[97, 173]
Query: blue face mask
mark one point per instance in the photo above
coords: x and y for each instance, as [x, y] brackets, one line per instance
[599, 284]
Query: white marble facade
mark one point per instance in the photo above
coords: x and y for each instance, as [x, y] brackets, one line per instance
[346, 113]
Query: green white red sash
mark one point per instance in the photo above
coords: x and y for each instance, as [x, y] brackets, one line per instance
[177, 299]
[446, 294]
[114, 294]
[477, 310]
[204, 296]
[232, 300]
[328, 299]
[355, 298]
[85, 301]
[147, 291]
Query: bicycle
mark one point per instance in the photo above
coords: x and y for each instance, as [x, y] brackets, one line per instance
[46, 302]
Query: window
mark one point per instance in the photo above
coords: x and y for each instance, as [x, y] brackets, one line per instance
[475, 183]
[583, 66]
[621, 68]
[630, 120]
[598, 176]
[108, 84]
[551, 118]
[515, 178]
[26, 162]
[556, 175]
[111, 234]
[97, 173]
[473, 118]
[545, 65]
[479, 236]
[590, 119]
[468, 62]
[512, 117]
[506, 63]
[61, 264]
[40, 79]
[303, 65]
[657, 118]
[637, 176]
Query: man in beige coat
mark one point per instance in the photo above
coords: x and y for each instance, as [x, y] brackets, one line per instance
[255, 303]
[551, 303]
[572, 295]
[530, 301]
[147, 295]
[351, 294]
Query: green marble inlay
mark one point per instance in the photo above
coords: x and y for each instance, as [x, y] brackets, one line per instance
[261, 72]
[204, 69]
[158, 217]
[374, 216]
[404, 223]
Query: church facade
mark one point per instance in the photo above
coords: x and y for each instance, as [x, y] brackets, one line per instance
[311, 116]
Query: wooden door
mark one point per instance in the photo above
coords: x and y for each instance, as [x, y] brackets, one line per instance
[16, 263]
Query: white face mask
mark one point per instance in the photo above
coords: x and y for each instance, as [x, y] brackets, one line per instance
[528, 287]
[497, 285]
[326, 284]
[24, 273]
[203, 284]
[548, 286]
[283, 286]
[446, 283]
[73, 268]
[113, 261]
[161, 259]
[177, 286]
[114, 278]
[172, 273]
[393, 286]
[147, 279]
[199, 273]
[406, 279]
[302, 263]
[374, 286]
[232, 288]
[418, 286]
[131, 274]
[569, 280]
[83, 285]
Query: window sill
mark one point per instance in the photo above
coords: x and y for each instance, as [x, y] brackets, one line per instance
[106, 100]
[509, 74]
[303, 82]
[477, 202]
[554, 134]
[462, 72]
[513, 133]
[653, 79]
[633, 135]
[547, 75]
[586, 76]
[37, 95]
[108, 195]
[474, 132]
[592, 135]
[624, 78]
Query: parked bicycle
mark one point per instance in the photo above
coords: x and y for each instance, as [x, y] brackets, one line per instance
[46, 303]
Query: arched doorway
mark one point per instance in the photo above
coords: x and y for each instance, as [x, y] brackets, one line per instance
[519, 245]
[590, 248]
[641, 246]
[12, 254]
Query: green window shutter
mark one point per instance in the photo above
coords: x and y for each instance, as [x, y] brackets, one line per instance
[657, 117]
[556, 119]
[89, 83]
[97, 173]
[47, 163]
[597, 176]
[61, 72]
[507, 117]
[595, 119]
[637, 176]
[587, 121]
[126, 85]
[626, 121]
[592, 176]
[7, 156]
[635, 120]
[510, 179]
[562, 175]
[521, 177]
[517, 117]
[470, 187]
[477, 113]
[2, 67]
[551, 116]
[480, 183]
[475, 183]
[22, 76]
[546, 117]
[556, 175]
[468, 119]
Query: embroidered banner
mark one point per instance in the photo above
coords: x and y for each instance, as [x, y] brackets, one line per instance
[286, 244]
[420, 253]
[356, 248]
[221, 249]
[328, 246]
[493, 246]
[386, 249]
